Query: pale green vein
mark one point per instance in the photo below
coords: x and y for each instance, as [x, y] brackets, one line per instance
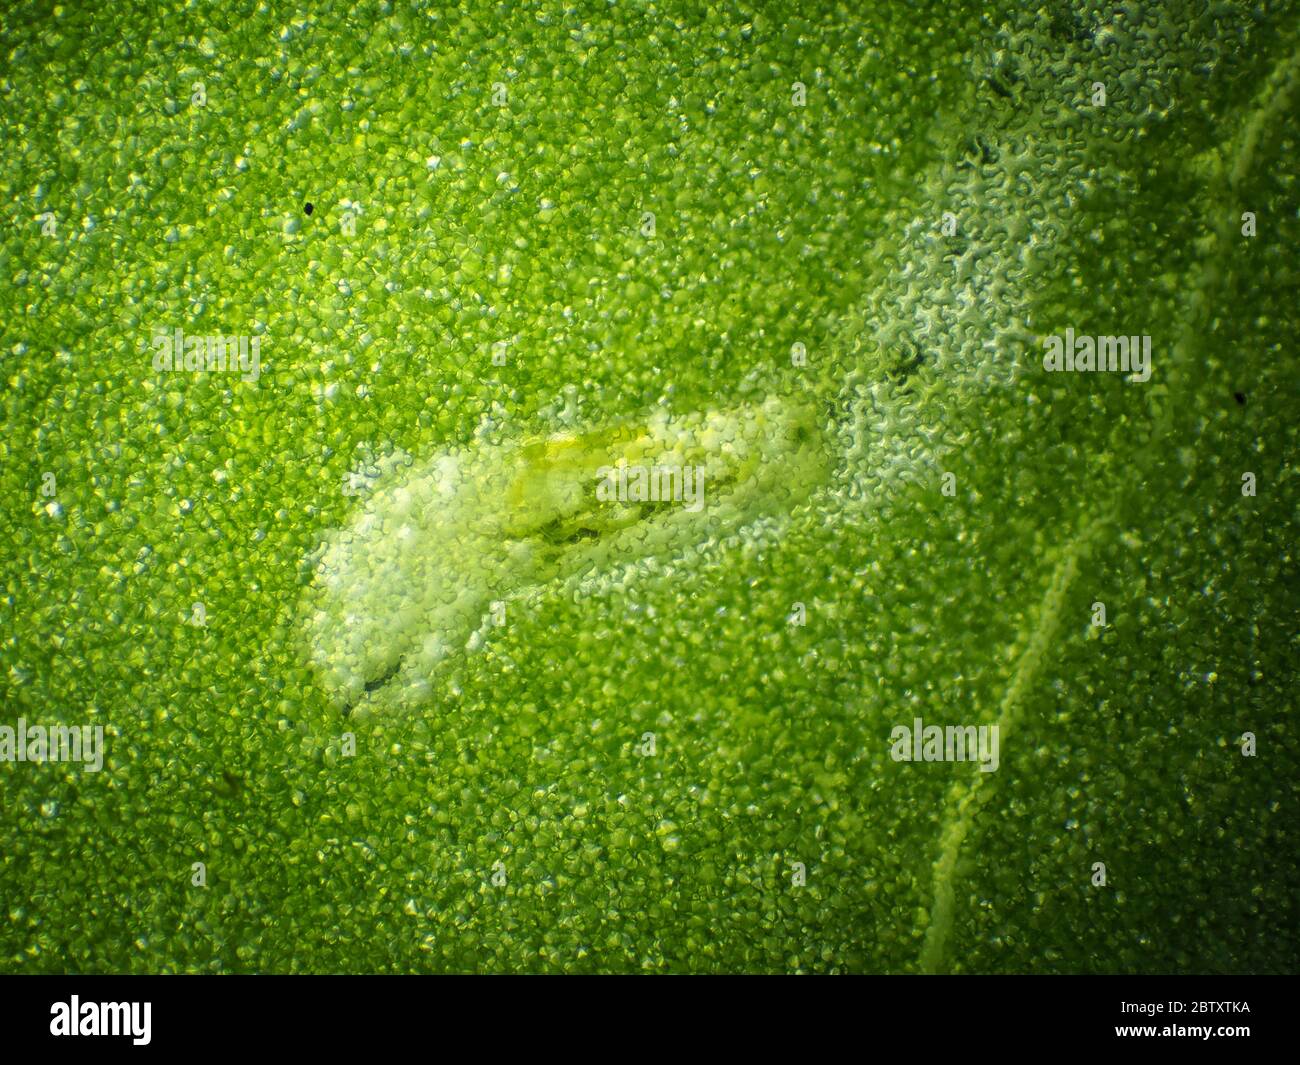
[964, 795]
[1228, 171]
[1270, 104]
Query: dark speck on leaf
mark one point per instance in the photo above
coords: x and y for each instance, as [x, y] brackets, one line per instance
[309, 208]
[230, 784]
[1240, 397]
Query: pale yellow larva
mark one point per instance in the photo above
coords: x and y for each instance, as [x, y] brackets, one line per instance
[412, 576]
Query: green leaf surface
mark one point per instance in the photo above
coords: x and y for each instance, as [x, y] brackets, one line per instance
[544, 239]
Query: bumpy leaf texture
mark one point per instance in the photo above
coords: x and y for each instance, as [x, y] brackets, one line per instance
[383, 690]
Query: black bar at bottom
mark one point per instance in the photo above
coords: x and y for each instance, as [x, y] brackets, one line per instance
[339, 1014]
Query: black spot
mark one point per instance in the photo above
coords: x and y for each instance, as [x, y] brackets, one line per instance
[996, 85]
[379, 682]
[978, 149]
[908, 360]
[1067, 25]
[309, 208]
[375, 684]
[230, 784]
[1240, 397]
